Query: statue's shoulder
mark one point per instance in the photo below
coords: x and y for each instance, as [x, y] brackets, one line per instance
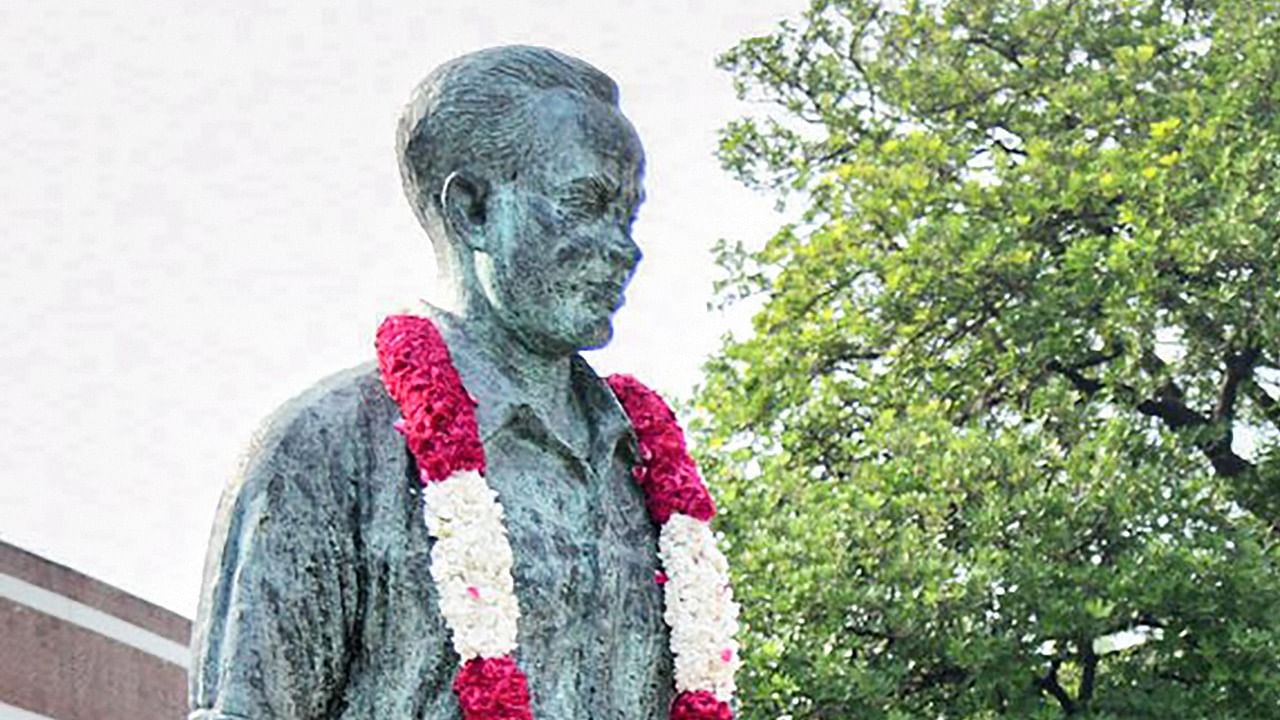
[328, 425]
[286, 528]
[332, 409]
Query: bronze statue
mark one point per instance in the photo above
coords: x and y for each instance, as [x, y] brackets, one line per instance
[318, 601]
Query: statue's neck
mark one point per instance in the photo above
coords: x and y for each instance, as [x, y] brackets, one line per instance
[544, 380]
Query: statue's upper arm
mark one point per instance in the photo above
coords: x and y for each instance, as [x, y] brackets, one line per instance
[272, 637]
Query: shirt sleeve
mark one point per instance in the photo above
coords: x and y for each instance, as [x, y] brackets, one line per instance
[280, 602]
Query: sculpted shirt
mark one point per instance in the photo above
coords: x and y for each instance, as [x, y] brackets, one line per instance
[318, 602]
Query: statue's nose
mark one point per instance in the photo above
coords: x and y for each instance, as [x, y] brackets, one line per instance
[622, 250]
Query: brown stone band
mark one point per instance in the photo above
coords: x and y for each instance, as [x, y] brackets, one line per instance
[35, 570]
[77, 649]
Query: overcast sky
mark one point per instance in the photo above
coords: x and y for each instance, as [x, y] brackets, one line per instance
[201, 215]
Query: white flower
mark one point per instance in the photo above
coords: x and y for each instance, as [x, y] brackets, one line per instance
[699, 607]
[471, 565]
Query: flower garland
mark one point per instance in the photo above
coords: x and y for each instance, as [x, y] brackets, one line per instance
[471, 558]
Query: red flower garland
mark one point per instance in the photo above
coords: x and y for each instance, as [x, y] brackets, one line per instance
[439, 422]
[666, 473]
[671, 484]
[439, 426]
[492, 689]
[700, 705]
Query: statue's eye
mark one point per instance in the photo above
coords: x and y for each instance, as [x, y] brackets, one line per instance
[588, 197]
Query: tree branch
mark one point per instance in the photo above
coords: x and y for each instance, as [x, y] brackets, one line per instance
[1086, 385]
[1049, 684]
[941, 675]
[1009, 53]
[1008, 149]
[1088, 674]
[1239, 369]
[1169, 408]
[1269, 406]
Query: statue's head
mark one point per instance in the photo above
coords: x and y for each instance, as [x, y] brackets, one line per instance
[527, 178]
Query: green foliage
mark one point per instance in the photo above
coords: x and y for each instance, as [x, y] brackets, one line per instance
[1004, 440]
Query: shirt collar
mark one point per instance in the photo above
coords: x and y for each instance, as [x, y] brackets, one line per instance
[501, 403]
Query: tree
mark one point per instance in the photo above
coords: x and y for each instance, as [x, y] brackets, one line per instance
[1003, 441]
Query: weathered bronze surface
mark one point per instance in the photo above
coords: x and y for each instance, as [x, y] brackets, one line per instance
[317, 600]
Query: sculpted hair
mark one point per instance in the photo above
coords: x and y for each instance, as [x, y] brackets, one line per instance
[471, 114]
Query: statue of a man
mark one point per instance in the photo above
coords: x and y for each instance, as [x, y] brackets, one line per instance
[318, 599]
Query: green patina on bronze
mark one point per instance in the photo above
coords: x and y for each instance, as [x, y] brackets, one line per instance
[317, 600]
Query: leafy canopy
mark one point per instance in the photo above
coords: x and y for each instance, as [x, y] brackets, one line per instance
[1004, 439]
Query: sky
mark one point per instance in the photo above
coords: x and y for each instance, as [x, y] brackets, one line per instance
[201, 215]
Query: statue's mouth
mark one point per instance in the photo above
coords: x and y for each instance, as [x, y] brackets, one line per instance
[607, 294]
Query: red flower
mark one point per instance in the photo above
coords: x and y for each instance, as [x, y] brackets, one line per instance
[439, 426]
[666, 472]
[492, 689]
[439, 422]
[700, 705]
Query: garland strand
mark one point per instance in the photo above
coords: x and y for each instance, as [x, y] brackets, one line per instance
[471, 558]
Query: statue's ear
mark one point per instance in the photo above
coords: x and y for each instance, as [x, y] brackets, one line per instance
[464, 199]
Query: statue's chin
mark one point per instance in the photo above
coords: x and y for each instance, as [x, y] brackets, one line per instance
[565, 339]
[597, 344]
[599, 336]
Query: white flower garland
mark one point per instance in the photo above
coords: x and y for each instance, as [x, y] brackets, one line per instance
[471, 565]
[700, 609]
[471, 558]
